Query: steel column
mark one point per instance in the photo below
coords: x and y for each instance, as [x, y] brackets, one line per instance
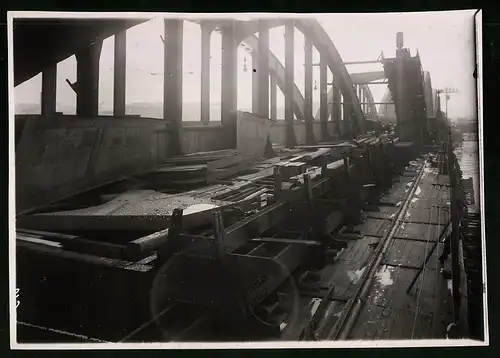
[229, 81]
[255, 83]
[49, 83]
[87, 86]
[229, 77]
[363, 99]
[289, 83]
[263, 69]
[336, 114]
[308, 94]
[119, 87]
[172, 86]
[206, 32]
[274, 94]
[323, 101]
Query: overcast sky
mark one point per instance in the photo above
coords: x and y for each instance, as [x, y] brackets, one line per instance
[445, 41]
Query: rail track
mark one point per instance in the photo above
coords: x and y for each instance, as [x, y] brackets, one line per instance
[350, 313]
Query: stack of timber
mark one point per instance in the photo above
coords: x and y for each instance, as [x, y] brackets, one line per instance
[198, 169]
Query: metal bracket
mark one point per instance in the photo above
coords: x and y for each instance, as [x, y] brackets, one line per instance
[74, 86]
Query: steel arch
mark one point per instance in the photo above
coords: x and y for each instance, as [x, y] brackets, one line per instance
[313, 30]
[276, 68]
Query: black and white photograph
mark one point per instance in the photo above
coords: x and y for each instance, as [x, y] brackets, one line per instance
[246, 180]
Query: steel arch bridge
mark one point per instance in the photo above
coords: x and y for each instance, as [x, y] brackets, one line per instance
[121, 144]
[59, 45]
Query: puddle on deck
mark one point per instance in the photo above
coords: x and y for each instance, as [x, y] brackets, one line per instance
[384, 280]
[384, 276]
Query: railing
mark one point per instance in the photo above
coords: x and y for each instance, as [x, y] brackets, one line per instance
[454, 177]
[466, 281]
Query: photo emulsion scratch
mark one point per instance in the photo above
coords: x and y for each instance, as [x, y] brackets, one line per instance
[256, 180]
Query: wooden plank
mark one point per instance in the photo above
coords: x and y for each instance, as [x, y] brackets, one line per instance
[36, 240]
[322, 146]
[319, 153]
[229, 161]
[69, 223]
[182, 168]
[137, 248]
[79, 244]
[287, 241]
[216, 175]
[84, 258]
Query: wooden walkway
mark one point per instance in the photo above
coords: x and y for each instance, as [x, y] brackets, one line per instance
[389, 311]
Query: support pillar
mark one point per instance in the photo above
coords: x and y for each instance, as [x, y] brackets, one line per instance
[274, 94]
[255, 83]
[119, 91]
[336, 112]
[87, 77]
[308, 91]
[323, 101]
[49, 90]
[348, 117]
[172, 85]
[362, 98]
[206, 32]
[289, 83]
[229, 81]
[263, 69]
[365, 101]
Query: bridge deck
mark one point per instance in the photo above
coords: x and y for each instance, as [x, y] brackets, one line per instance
[389, 312]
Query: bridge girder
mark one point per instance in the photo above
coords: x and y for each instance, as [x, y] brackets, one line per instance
[317, 35]
[83, 32]
[40, 42]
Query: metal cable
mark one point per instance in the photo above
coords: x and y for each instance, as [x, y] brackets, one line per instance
[59, 331]
[436, 279]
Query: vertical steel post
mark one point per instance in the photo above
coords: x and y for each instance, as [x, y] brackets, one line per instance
[219, 234]
[206, 32]
[274, 95]
[229, 82]
[308, 94]
[323, 102]
[255, 83]
[49, 90]
[289, 84]
[263, 69]
[120, 75]
[172, 81]
[87, 77]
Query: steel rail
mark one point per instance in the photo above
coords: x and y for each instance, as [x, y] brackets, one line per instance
[343, 326]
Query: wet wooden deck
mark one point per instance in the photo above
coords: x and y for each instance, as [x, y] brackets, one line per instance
[389, 311]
